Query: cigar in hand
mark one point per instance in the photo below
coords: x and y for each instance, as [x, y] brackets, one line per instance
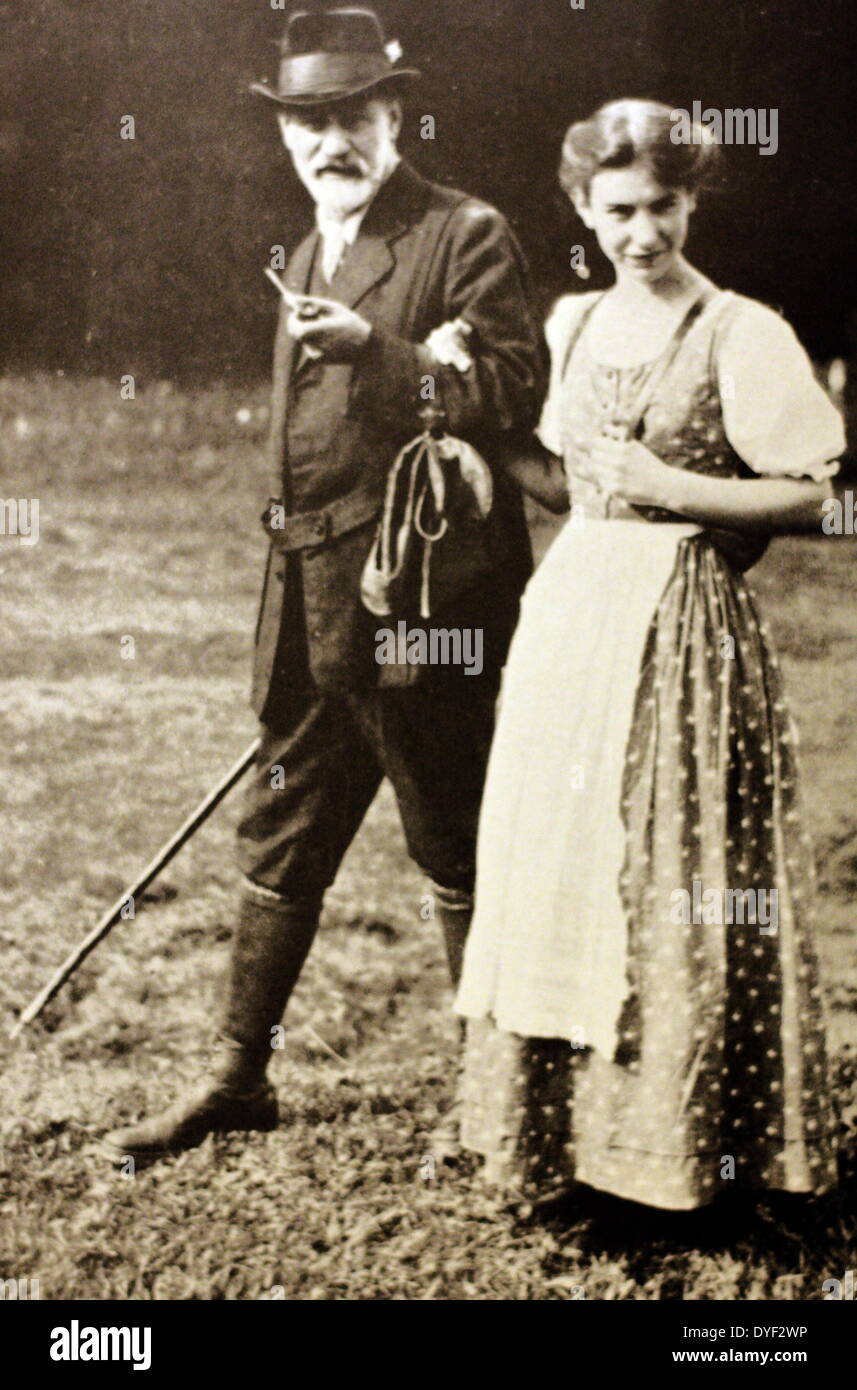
[301, 305]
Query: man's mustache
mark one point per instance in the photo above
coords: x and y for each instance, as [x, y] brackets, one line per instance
[351, 171]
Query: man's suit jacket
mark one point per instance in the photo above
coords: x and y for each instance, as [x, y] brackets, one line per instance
[424, 255]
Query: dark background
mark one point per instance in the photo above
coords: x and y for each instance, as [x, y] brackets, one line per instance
[146, 256]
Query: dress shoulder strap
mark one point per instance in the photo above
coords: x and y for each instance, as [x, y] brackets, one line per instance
[582, 321]
[666, 360]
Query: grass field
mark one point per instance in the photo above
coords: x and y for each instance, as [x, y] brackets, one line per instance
[148, 521]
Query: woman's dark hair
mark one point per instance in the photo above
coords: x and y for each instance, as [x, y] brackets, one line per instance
[679, 153]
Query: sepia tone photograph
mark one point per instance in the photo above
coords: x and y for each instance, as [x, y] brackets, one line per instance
[428, 661]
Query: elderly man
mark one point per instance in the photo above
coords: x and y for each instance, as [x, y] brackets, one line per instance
[392, 259]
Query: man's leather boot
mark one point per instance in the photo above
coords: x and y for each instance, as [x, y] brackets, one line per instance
[271, 943]
[454, 911]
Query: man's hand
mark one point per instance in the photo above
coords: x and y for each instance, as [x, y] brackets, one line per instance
[335, 331]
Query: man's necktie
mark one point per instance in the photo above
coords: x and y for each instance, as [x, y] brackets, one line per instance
[333, 247]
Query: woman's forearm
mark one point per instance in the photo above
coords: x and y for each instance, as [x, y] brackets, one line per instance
[754, 504]
[538, 473]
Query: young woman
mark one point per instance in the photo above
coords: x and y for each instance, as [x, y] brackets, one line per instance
[640, 977]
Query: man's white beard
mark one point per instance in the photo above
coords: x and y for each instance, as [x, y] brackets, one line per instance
[338, 198]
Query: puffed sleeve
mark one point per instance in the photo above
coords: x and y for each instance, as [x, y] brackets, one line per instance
[776, 415]
[561, 324]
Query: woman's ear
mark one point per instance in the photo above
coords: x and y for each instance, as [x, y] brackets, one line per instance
[582, 208]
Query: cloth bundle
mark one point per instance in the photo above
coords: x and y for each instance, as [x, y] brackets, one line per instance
[439, 492]
[431, 538]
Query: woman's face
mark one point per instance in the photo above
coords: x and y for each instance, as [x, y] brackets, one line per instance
[641, 225]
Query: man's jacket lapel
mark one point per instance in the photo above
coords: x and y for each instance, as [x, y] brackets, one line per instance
[372, 258]
[298, 280]
[366, 263]
[285, 355]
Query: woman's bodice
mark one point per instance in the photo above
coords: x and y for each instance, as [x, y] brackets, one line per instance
[683, 418]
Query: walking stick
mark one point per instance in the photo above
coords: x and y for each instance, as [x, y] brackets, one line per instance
[149, 874]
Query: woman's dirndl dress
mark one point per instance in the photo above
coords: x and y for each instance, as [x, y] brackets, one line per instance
[640, 979]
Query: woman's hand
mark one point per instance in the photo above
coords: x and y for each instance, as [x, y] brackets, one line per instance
[626, 468]
[757, 506]
[752, 506]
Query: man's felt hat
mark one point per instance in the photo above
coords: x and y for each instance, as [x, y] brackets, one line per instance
[329, 55]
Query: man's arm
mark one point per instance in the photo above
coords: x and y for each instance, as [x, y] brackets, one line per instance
[486, 285]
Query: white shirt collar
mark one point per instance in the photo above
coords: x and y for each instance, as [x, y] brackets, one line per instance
[341, 232]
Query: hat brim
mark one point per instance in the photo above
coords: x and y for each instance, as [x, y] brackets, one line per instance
[337, 93]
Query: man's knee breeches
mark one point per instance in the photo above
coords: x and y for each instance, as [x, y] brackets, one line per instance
[313, 783]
